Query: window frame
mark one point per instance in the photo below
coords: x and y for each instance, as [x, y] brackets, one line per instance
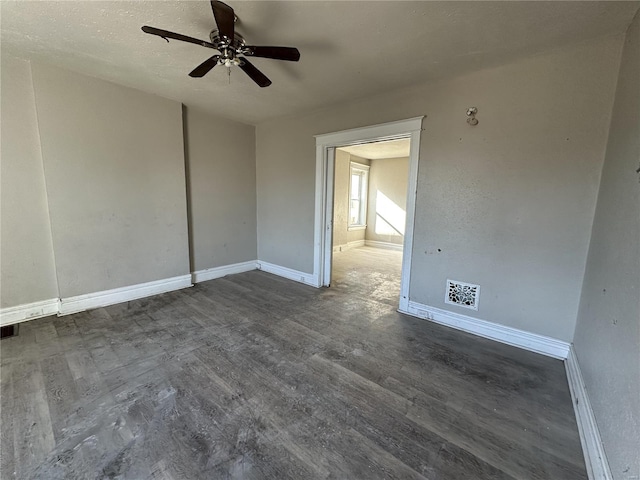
[363, 171]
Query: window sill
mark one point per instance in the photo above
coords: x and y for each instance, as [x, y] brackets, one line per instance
[356, 227]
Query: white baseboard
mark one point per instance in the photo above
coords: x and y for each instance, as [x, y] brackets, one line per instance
[306, 278]
[594, 454]
[28, 311]
[349, 246]
[80, 303]
[386, 245]
[218, 272]
[533, 342]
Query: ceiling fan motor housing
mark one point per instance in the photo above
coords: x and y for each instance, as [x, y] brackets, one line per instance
[228, 49]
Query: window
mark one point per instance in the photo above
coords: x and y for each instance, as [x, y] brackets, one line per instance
[358, 187]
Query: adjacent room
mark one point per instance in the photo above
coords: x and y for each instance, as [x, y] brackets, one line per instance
[369, 215]
[329, 239]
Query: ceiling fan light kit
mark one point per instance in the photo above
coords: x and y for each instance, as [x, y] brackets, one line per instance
[230, 45]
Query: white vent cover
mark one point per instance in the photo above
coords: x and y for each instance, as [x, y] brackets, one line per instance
[462, 294]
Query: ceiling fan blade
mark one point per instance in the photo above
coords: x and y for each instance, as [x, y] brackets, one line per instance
[205, 67]
[277, 53]
[166, 34]
[255, 74]
[225, 18]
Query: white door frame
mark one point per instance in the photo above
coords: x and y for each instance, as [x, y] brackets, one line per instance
[325, 159]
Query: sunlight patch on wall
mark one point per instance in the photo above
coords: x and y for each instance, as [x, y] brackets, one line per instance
[390, 218]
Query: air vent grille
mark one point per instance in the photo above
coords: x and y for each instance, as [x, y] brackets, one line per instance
[462, 294]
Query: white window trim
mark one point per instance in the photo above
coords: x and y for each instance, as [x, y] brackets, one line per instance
[355, 166]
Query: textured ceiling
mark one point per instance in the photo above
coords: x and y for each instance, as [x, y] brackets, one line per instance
[349, 49]
[378, 150]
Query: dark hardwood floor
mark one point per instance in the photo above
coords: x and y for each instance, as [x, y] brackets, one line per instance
[253, 376]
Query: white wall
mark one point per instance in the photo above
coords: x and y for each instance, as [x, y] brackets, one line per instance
[114, 169]
[114, 165]
[607, 336]
[387, 200]
[26, 256]
[221, 170]
[509, 203]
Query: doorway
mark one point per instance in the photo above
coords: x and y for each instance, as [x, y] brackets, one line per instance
[326, 147]
[369, 217]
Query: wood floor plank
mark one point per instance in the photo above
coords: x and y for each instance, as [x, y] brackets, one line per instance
[253, 376]
[33, 435]
[305, 414]
[7, 423]
[303, 387]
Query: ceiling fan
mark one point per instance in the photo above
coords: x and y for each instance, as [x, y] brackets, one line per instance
[230, 44]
